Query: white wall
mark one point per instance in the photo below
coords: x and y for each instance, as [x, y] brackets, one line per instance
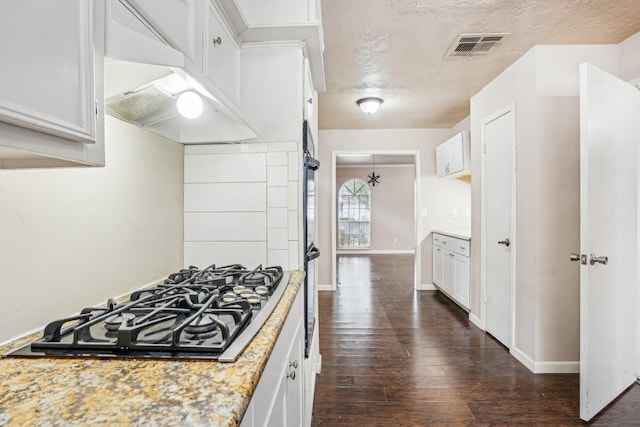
[74, 237]
[392, 205]
[438, 196]
[630, 58]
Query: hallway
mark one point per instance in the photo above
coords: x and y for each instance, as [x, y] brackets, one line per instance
[392, 356]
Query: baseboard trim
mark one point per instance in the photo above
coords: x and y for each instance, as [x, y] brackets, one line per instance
[557, 368]
[476, 321]
[426, 287]
[524, 359]
[553, 367]
[377, 252]
[325, 288]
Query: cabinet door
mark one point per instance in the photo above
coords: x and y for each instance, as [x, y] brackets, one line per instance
[276, 12]
[47, 63]
[295, 382]
[437, 265]
[222, 55]
[442, 160]
[310, 111]
[175, 20]
[461, 275]
[277, 416]
[456, 154]
[448, 271]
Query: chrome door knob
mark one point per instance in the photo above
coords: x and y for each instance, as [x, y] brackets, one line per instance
[505, 242]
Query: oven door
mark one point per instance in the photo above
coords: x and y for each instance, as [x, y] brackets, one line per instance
[309, 223]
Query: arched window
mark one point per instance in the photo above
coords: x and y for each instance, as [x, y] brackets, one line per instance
[354, 215]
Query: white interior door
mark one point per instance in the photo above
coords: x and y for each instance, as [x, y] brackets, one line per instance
[609, 138]
[498, 133]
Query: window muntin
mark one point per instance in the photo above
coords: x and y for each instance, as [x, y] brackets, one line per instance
[354, 215]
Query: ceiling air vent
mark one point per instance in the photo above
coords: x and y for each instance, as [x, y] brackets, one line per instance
[468, 45]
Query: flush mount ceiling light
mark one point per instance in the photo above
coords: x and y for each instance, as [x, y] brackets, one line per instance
[189, 105]
[369, 105]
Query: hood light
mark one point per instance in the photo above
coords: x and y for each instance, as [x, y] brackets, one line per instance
[190, 105]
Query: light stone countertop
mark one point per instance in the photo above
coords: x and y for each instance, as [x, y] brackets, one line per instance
[460, 234]
[136, 392]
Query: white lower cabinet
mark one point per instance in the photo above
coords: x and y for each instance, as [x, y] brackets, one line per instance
[278, 400]
[452, 267]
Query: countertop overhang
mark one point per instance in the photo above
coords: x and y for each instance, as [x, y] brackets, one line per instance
[88, 391]
[460, 234]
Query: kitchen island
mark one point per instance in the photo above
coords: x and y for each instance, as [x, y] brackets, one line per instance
[123, 392]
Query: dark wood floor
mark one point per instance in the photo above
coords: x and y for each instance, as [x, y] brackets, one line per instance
[393, 356]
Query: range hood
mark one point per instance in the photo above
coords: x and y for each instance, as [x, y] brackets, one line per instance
[143, 78]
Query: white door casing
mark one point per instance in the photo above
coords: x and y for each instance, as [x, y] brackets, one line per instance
[609, 138]
[498, 224]
[416, 217]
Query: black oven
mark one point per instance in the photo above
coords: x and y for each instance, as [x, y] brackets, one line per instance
[311, 165]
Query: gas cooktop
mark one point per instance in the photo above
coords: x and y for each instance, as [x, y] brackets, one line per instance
[211, 313]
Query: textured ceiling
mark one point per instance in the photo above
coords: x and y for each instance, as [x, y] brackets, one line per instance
[395, 49]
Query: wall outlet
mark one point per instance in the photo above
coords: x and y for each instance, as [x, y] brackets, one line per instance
[454, 213]
[467, 213]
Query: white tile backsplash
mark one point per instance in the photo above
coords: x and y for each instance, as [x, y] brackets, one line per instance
[277, 217]
[241, 204]
[293, 225]
[277, 197]
[254, 147]
[292, 195]
[277, 176]
[277, 159]
[226, 197]
[277, 238]
[225, 167]
[203, 254]
[294, 161]
[211, 148]
[283, 146]
[294, 257]
[225, 226]
[279, 257]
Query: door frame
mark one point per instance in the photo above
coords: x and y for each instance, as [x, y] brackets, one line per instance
[416, 204]
[510, 108]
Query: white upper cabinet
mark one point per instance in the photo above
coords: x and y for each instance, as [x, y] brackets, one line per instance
[453, 156]
[222, 55]
[278, 12]
[51, 90]
[177, 21]
[310, 102]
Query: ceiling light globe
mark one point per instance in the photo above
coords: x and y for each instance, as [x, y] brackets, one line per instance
[190, 105]
[369, 105]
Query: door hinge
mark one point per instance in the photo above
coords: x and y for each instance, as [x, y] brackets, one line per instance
[484, 148]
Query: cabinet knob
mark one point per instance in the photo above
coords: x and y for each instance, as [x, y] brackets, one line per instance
[217, 41]
[310, 100]
[292, 375]
[293, 364]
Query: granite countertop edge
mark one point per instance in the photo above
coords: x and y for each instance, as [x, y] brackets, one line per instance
[460, 234]
[128, 392]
